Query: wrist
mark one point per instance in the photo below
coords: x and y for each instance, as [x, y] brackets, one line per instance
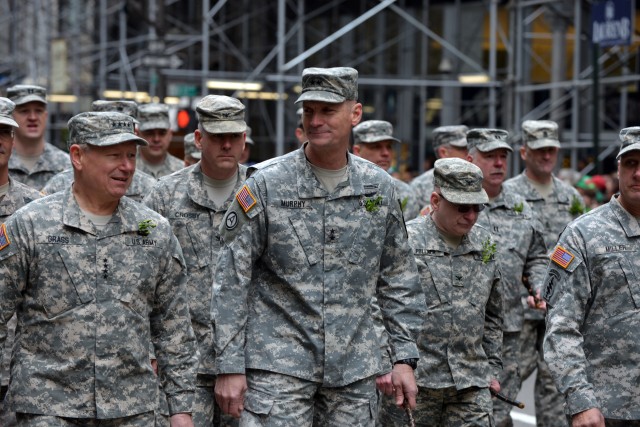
[413, 363]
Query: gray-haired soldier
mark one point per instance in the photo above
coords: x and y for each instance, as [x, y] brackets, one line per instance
[13, 196]
[194, 200]
[448, 142]
[141, 183]
[34, 161]
[592, 342]
[521, 252]
[373, 140]
[94, 278]
[155, 128]
[555, 203]
[311, 238]
[461, 337]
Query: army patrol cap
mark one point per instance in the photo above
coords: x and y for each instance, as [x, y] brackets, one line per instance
[221, 114]
[455, 135]
[248, 140]
[153, 116]
[540, 134]
[373, 131]
[190, 148]
[630, 139]
[459, 181]
[333, 85]
[486, 140]
[6, 111]
[21, 94]
[129, 108]
[102, 129]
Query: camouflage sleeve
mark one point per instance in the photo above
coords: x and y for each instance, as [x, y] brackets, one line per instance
[171, 332]
[242, 233]
[492, 338]
[536, 263]
[399, 292]
[383, 338]
[567, 291]
[13, 272]
[155, 201]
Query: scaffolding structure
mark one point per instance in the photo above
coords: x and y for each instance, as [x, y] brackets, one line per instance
[528, 59]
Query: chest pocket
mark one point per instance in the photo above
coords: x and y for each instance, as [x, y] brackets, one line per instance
[620, 288]
[437, 286]
[63, 289]
[311, 249]
[192, 237]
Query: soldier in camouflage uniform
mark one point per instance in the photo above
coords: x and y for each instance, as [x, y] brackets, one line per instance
[94, 278]
[194, 200]
[521, 252]
[592, 342]
[13, 196]
[461, 334]
[141, 183]
[192, 154]
[555, 204]
[373, 140]
[448, 142]
[155, 128]
[311, 238]
[34, 161]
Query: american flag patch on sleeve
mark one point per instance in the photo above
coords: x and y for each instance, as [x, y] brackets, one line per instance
[245, 198]
[562, 257]
[4, 239]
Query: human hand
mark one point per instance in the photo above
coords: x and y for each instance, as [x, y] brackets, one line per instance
[404, 385]
[181, 420]
[494, 385]
[537, 302]
[589, 418]
[229, 392]
[385, 384]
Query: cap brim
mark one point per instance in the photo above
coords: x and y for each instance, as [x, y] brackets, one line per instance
[543, 143]
[628, 148]
[493, 145]
[226, 126]
[29, 98]
[116, 139]
[321, 96]
[8, 121]
[461, 143]
[154, 124]
[465, 198]
[373, 139]
[196, 155]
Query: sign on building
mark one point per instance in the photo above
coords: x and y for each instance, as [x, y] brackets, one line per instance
[612, 22]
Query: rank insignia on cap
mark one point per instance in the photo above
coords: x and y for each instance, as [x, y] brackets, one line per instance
[4, 239]
[562, 257]
[245, 198]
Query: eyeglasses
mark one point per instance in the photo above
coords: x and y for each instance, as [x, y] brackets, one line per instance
[6, 134]
[463, 209]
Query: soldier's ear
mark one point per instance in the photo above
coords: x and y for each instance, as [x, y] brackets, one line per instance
[76, 153]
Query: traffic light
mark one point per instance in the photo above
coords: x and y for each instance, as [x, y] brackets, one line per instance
[186, 120]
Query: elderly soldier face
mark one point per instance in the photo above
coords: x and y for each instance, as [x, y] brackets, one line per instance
[328, 125]
[493, 165]
[629, 176]
[32, 118]
[452, 218]
[6, 144]
[106, 170]
[220, 151]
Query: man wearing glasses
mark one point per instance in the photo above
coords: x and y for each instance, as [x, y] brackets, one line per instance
[13, 196]
[461, 337]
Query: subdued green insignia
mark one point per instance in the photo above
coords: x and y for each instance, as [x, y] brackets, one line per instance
[145, 227]
[518, 207]
[576, 208]
[488, 250]
[403, 203]
[373, 205]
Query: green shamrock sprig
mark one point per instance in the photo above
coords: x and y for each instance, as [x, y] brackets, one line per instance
[403, 203]
[145, 227]
[373, 205]
[518, 207]
[576, 208]
[488, 250]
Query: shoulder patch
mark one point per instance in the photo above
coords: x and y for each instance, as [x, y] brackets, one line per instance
[4, 239]
[246, 198]
[562, 257]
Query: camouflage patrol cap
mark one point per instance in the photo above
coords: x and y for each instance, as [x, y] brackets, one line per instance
[190, 148]
[153, 116]
[630, 140]
[221, 114]
[248, 140]
[373, 131]
[102, 129]
[122, 106]
[6, 111]
[21, 94]
[486, 140]
[459, 181]
[455, 135]
[540, 134]
[333, 85]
